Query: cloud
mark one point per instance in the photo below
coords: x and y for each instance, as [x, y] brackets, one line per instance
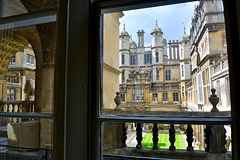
[169, 18]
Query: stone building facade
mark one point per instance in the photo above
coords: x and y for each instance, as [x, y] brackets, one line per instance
[110, 58]
[150, 76]
[208, 53]
[21, 68]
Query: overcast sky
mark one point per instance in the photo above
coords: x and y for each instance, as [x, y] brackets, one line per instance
[169, 18]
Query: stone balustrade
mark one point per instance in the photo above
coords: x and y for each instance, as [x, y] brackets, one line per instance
[215, 142]
[17, 107]
[214, 132]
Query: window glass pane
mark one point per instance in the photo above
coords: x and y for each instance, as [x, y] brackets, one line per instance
[165, 83]
[19, 135]
[32, 60]
[26, 86]
[152, 62]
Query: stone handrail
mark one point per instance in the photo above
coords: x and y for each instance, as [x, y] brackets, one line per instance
[166, 113]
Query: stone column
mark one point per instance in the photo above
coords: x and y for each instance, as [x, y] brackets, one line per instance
[47, 33]
[42, 39]
[138, 40]
[178, 53]
[18, 94]
[170, 52]
[174, 54]
[3, 89]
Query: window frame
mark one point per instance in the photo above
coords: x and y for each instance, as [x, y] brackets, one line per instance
[182, 70]
[157, 73]
[123, 59]
[168, 74]
[13, 61]
[147, 58]
[165, 97]
[154, 97]
[70, 24]
[24, 21]
[32, 60]
[28, 59]
[157, 57]
[175, 97]
[150, 75]
[122, 98]
[123, 76]
[11, 96]
[133, 60]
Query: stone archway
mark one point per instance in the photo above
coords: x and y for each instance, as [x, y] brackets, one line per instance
[42, 40]
[10, 43]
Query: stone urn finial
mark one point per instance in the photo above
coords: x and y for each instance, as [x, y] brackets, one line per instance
[117, 100]
[214, 99]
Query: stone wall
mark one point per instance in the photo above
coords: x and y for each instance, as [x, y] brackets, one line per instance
[111, 58]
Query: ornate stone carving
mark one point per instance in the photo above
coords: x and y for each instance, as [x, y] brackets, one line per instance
[47, 33]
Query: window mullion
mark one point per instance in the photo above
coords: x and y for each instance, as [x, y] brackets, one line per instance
[28, 19]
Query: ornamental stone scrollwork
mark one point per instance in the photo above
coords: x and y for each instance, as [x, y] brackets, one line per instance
[47, 34]
[48, 56]
[2, 73]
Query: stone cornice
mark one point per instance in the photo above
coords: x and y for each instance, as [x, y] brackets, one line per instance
[111, 69]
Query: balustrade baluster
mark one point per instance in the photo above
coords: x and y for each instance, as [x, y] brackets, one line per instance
[124, 136]
[1, 107]
[8, 107]
[139, 136]
[172, 137]
[223, 140]
[18, 110]
[215, 138]
[33, 106]
[155, 136]
[207, 132]
[189, 137]
[15, 108]
[11, 109]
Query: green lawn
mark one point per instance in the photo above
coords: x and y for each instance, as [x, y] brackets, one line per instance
[163, 141]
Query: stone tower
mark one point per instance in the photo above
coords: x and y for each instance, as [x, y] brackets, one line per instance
[157, 44]
[124, 39]
[124, 42]
[185, 65]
